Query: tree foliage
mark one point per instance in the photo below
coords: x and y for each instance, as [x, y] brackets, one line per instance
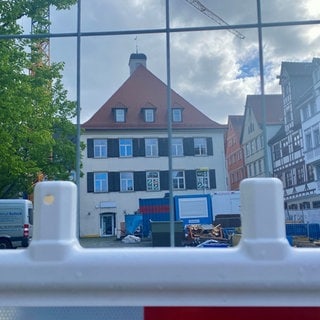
[36, 132]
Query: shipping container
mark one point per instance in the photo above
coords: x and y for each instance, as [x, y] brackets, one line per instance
[225, 202]
[153, 209]
[310, 230]
[193, 209]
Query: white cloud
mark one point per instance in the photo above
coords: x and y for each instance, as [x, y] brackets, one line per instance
[207, 68]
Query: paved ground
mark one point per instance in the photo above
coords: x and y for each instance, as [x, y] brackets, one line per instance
[112, 242]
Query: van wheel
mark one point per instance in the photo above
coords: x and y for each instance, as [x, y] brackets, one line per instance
[5, 244]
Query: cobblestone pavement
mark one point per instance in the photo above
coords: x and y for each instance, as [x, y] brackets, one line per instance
[112, 242]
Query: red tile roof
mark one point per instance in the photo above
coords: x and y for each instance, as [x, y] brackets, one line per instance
[273, 107]
[143, 89]
[236, 122]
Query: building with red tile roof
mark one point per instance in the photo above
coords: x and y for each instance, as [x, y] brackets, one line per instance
[127, 151]
[234, 153]
[257, 130]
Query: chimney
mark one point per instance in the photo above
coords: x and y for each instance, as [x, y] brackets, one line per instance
[137, 59]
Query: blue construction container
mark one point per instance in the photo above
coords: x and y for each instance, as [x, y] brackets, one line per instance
[314, 231]
[153, 209]
[296, 229]
[311, 230]
[193, 209]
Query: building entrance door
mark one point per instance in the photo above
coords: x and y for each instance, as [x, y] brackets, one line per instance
[107, 224]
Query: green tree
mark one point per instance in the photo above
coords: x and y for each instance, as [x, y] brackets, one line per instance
[36, 131]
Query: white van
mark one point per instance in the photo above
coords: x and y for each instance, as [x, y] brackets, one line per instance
[16, 219]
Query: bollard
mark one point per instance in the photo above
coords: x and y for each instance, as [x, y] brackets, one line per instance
[262, 214]
[55, 218]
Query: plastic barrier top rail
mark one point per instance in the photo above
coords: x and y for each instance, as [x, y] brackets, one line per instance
[263, 270]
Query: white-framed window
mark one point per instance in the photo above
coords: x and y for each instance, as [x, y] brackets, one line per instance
[178, 180]
[285, 147]
[153, 180]
[202, 179]
[125, 147]
[126, 181]
[288, 116]
[306, 112]
[149, 114]
[255, 168]
[253, 145]
[300, 173]
[100, 182]
[296, 141]
[177, 147]
[120, 114]
[310, 172]
[248, 152]
[100, 148]
[262, 141]
[308, 140]
[316, 137]
[151, 145]
[287, 90]
[176, 115]
[260, 163]
[200, 146]
[250, 127]
[288, 178]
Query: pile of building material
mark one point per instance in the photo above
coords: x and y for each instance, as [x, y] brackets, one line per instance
[198, 233]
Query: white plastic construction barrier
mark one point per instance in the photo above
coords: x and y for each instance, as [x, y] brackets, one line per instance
[262, 276]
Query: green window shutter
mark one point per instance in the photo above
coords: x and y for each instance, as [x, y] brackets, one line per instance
[114, 181]
[113, 148]
[212, 177]
[163, 147]
[209, 147]
[191, 181]
[188, 146]
[90, 182]
[139, 181]
[90, 151]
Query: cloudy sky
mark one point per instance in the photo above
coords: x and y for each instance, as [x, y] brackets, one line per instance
[213, 70]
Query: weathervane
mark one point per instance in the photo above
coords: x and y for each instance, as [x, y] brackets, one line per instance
[136, 40]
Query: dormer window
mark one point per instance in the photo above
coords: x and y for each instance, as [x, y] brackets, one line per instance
[149, 114]
[120, 114]
[176, 114]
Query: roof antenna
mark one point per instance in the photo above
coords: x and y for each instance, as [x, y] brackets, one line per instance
[136, 40]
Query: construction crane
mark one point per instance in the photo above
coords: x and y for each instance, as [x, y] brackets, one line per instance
[40, 53]
[41, 46]
[203, 9]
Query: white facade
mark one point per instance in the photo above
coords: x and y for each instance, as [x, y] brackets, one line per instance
[310, 119]
[294, 148]
[252, 138]
[101, 214]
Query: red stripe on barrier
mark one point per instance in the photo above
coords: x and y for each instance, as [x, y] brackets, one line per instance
[238, 313]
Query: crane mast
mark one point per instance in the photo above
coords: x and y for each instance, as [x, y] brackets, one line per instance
[40, 53]
[40, 24]
[203, 9]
